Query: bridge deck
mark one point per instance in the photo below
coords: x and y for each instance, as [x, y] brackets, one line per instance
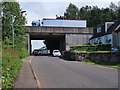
[61, 30]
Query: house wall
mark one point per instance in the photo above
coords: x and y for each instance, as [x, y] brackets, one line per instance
[114, 36]
[104, 39]
[118, 41]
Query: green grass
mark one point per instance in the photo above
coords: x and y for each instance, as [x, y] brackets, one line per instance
[10, 65]
[105, 47]
[93, 51]
[84, 46]
[116, 65]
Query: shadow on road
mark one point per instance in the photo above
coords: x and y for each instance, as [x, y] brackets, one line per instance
[53, 57]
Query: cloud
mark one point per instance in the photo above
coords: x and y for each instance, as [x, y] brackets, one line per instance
[68, 1]
[38, 10]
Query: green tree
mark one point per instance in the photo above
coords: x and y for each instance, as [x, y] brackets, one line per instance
[11, 58]
[71, 12]
[13, 9]
[59, 17]
[95, 18]
[93, 15]
[85, 13]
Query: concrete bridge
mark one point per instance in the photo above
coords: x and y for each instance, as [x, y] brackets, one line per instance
[59, 37]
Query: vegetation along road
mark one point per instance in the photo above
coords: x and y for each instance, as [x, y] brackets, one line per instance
[53, 72]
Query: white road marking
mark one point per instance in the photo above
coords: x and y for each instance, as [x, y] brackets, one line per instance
[35, 76]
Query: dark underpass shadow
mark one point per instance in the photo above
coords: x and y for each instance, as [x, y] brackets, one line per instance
[66, 59]
[41, 55]
[50, 55]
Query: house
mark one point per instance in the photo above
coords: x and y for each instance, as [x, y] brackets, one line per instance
[116, 37]
[103, 34]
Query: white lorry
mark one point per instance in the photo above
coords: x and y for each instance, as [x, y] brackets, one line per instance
[64, 23]
[44, 52]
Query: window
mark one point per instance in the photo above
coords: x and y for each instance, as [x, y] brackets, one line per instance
[98, 29]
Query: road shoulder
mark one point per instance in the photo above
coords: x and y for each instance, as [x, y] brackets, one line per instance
[25, 78]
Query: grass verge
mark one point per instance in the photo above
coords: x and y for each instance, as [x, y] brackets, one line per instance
[115, 65]
[11, 62]
[94, 51]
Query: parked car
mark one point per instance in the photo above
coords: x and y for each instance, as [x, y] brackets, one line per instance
[36, 53]
[56, 53]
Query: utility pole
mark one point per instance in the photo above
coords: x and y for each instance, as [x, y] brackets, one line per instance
[12, 31]
[13, 27]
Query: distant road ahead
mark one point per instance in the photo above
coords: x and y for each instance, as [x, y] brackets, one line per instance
[53, 72]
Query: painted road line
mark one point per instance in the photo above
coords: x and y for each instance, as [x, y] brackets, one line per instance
[35, 76]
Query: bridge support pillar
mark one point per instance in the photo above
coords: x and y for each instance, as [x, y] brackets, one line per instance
[29, 45]
[76, 39]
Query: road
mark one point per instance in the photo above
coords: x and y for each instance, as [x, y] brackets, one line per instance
[53, 72]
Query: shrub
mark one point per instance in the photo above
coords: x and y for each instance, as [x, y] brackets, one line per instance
[7, 43]
[22, 53]
[10, 65]
[106, 47]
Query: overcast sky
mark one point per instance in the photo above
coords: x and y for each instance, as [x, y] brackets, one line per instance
[38, 9]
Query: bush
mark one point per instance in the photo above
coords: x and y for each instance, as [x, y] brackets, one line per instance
[7, 43]
[10, 65]
[106, 47]
[22, 52]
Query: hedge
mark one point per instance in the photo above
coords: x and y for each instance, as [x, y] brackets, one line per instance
[10, 65]
[105, 47]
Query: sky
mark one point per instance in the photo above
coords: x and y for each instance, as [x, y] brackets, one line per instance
[38, 9]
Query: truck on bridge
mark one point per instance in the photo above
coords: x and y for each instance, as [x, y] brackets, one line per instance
[62, 23]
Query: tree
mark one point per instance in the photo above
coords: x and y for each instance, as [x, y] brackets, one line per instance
[93, 15]
[85, 13]
[59, 17]
[71, 12]
[113, 7]
[13, 9]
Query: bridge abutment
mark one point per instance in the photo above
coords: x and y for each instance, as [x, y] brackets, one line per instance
[76, 39]
[63, 37]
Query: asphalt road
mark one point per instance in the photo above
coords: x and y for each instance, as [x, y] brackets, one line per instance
[53, 72]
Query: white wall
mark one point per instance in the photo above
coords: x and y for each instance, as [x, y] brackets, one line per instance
[119, 39]
[103, 39]
[65, 23]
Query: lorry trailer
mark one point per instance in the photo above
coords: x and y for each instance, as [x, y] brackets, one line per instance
[64, 23]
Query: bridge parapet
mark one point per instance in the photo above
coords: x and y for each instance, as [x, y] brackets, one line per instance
[64, 30]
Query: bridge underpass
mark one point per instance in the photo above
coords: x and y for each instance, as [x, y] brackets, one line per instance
[54, 41]
[59, 37]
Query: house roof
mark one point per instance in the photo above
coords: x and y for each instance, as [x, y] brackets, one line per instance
[113, 28]
[117, 29]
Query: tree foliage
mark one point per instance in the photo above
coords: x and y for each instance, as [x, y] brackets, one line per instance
[71, 12]
[93, 14]
[11, 58]
[13, 9]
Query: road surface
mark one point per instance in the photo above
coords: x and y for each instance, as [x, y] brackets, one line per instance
[53, 72]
